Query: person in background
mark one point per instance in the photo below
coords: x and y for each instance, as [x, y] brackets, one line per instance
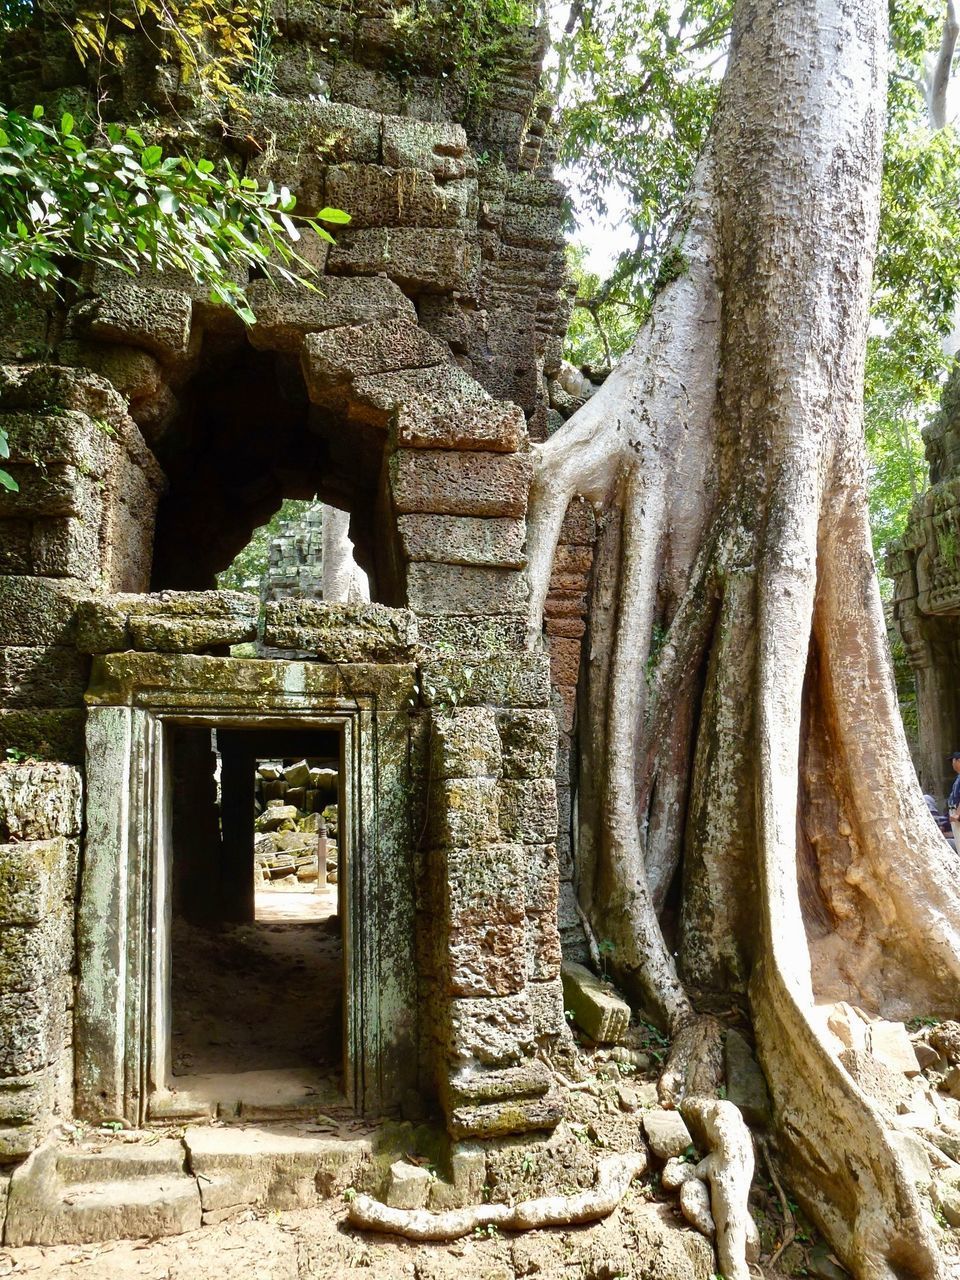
[953, 801]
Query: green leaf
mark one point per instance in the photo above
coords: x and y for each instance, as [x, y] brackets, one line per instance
[37, 112]
[167, 202]
[66, 123]
[134, 136]
[8, 482]
[206, 166]
[337, 216]
[151, 157]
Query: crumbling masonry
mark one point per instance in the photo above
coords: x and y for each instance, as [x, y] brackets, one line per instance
[150, 433]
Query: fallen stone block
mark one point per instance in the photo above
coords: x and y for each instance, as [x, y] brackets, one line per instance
[667, 1134]
[746, 1084]
[596, 1008]
[408, 1187]
[890, 1044]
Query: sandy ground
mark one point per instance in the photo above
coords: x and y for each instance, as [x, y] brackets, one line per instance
[256, 996]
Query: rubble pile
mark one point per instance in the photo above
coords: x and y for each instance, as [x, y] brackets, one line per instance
[296, 822]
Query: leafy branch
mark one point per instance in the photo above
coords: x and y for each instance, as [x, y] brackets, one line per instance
[114, 201]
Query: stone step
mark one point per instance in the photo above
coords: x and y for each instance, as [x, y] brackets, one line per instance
[271, 1168]
[148, 1157]
[133, 1199]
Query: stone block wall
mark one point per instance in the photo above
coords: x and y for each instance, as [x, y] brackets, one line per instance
[489, 895]
[151, 433]
[40, 823]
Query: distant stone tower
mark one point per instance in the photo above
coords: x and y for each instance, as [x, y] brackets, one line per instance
[295, 558]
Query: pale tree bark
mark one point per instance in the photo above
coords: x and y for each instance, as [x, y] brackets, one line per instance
[343, 581]
[739, 727]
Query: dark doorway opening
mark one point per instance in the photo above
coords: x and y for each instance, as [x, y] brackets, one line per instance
[257, 957]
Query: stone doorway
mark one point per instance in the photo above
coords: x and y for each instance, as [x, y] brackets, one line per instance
[257, 962]
[142, 708]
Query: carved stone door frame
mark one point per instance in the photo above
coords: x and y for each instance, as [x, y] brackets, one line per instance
[122, 1016]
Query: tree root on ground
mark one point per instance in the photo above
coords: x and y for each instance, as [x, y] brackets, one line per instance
[729, 1171]
[614, 1175]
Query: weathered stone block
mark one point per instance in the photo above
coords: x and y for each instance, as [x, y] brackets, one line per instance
[38, 611]
[530, 1079]
[28, 1038]
[465, 744]
[541, 879]
[67, 438]
[543, 948]
[482, 956]
[26, 1103]
[446, 259]
[547, 1011]
[130, 1192]
[69, 548]
[331, 131]
[564, 660]
[333, 359]
[408, 1187]
[666, 1133]
[253, 1166]
[579, 523]
[284, 316]
[437, 146]
[380, 197]
[746, 1085]
[156, 319]
[39, 801]
[465, 590]
[47, 734]
[479, 636]
[463, 812]
[482, 679]
[529, 743]
[464, 540]
[441, 390]
[36, 878]
[890, 1044]
[341, 633]
[492, 425]
[521, 1115]
[56, 490]
[601, 1013]
[460, 483]
[166, 621]
[54, 676]
[33, 956]
[528, 809]
[494, 1032]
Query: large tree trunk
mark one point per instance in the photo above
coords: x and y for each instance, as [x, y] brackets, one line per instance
[739, 723]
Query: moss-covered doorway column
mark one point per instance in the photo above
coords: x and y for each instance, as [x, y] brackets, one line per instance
[123, 923]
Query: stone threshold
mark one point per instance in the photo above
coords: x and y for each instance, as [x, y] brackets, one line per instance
[295, 1093]
[138, 1183]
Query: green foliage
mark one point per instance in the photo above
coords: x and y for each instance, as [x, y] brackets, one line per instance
[601, 327]
[249, 566]
[213, 43]
[67, 197]
[15, 14]
[637, 86]
[463, 40]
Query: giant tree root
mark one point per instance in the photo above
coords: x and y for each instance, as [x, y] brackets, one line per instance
[614, 1175]
[729, 1171]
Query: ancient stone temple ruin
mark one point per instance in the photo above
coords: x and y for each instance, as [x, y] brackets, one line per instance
[925, 568]
[150, 433]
